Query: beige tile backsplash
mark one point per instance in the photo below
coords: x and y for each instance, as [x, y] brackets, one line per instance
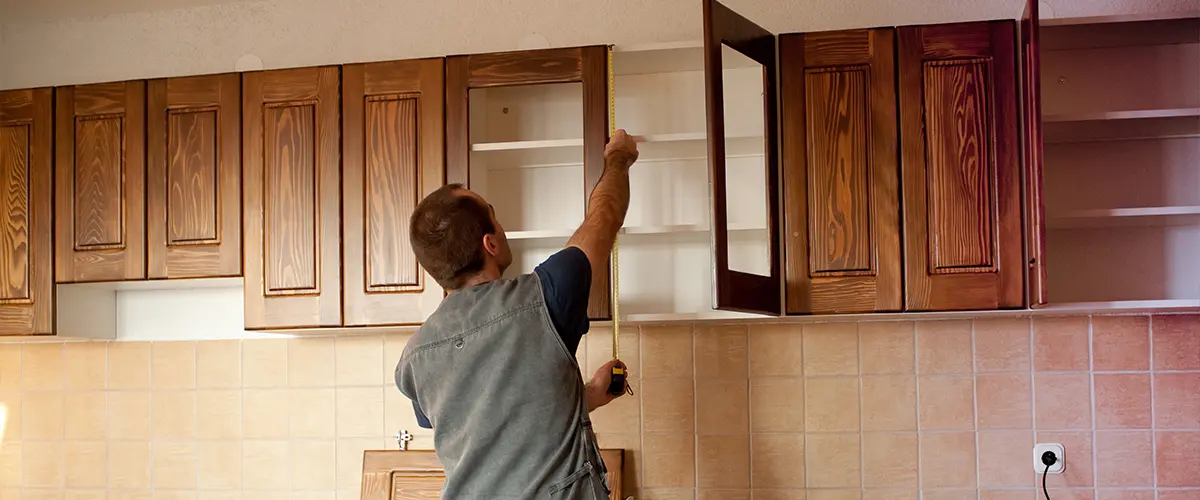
[929, 410]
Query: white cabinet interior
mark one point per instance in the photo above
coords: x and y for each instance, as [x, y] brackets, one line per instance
[527, 161]
[1121, 101]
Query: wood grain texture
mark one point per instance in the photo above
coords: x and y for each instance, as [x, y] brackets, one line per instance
[194, 172]
[100, 182]
[586, 65]
[26, 170]
[290, 199]
[841, 188]
[961, 167]
[958, 165]
[735, 290]
[1032, 147]
[393, 149]
[291, 158]
[99, 218]
[417, 474]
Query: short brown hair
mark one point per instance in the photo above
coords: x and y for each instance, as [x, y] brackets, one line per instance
[447, 231]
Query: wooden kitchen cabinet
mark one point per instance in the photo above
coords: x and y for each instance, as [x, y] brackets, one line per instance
[194, 176]
[100, 182]
[526, 130]
[841, 173]
[26, 171]
[960, 164]
[393, 132]
[291, 160]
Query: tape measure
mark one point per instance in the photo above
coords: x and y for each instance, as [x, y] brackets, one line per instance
[619, 383]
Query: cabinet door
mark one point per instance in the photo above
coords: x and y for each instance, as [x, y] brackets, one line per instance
[1035, 208]
[393, 130]
[737, 284]
[100, 179]
[586, 65]
[961, 167]
[26, 171]
[840, 172]
[292, 137]
[194, 175]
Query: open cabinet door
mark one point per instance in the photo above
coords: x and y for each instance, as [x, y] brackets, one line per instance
[1035, 209]
[745, 269]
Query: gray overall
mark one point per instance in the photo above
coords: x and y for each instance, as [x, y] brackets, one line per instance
[505, 397]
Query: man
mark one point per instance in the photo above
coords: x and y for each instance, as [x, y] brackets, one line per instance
[493, 370]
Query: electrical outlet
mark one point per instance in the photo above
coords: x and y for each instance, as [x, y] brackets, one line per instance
[1059, 451]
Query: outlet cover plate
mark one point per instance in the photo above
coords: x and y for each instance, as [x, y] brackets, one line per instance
[1058, 450]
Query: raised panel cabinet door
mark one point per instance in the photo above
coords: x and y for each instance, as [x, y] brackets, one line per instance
[392, 158]
[100, 172]
[840, 172]
[1033, 149]
[194, 177]
[587, 65]
[739, 289]
[26, 248]
[960, 158]
[291, 136]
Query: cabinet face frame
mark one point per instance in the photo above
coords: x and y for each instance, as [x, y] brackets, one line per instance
[383, 283]
[586, 65]
[26, 155]
[841, 200]
[100, 174]
[962, 190]
[194, 177]
[736, 290]
[1033, 155]
[293, 272]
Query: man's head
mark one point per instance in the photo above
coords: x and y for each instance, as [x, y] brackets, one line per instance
[456, 237]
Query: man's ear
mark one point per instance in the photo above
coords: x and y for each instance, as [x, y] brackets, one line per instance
[490, 245]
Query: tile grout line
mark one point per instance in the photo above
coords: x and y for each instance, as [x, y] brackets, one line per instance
[862, 441]
[917, 408]
[1092, 395]
[975, 408]
[1033, 391]
[1153, 415]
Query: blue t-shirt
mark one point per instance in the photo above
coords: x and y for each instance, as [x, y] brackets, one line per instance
[566, 282]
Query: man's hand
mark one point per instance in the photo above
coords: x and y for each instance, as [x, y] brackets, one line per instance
[621, 148]
[597, 394]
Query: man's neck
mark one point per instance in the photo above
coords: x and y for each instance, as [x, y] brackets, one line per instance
[482, 277]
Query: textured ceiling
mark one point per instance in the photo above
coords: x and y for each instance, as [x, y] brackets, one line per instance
[56, 42]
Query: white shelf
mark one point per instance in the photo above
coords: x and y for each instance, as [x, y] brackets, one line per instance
[1131, 212]
[1124, 217]
[1121, 18]
[516, 145]
[551, 234]
[1124, 306]
[1121, 115]
[567, 143]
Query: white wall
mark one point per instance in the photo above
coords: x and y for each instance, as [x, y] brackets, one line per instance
[43, 49]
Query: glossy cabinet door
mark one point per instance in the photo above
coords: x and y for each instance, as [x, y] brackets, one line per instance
[26, 252]
[100, 182]
[292, 169]
[841, 172]
[194, 177]
[1033, 149]
[728, 34]
[392, 130]
[960, 162]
